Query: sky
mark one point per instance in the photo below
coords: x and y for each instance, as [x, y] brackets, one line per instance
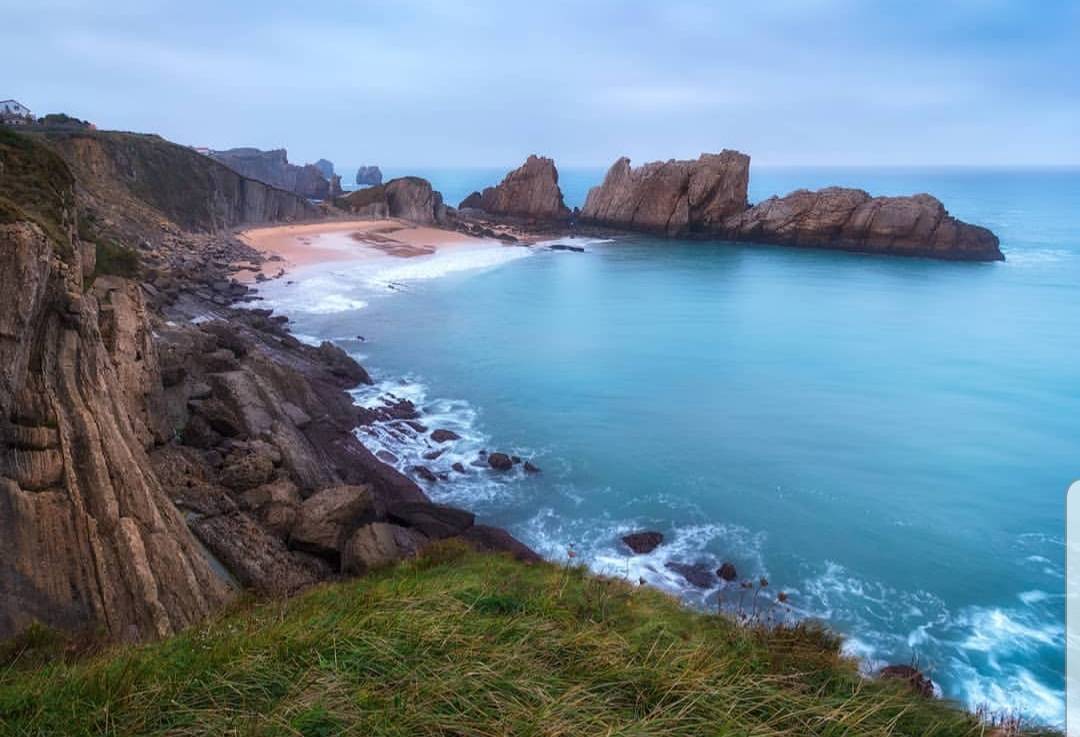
[486, 82]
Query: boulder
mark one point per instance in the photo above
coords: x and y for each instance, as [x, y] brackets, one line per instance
[531, 191]
[443, 436]
[496, 540]
[255, 557]
[697, 574]
[500, 461]
[326, 517]
[436, 521]
[673, 198]
[247, 470]
[408, 198]
[727, 572]
[643, 542]
[377, 545]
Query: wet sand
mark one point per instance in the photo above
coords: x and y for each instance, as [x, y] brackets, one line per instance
[287, 247]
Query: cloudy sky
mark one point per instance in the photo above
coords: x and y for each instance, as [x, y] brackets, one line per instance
[485, 82]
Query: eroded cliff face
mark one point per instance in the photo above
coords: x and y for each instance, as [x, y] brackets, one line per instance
[531, 191]
[136, 179]
[88, 538]
[851, 219]
[672, 198]
[316, 181]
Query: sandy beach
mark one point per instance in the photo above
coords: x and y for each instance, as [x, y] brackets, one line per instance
[290, 246]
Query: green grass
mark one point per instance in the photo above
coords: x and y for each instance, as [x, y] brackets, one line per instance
[35, 185]
[462, 644]
[113, 258]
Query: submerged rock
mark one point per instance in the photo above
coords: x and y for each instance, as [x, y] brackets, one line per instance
[643, 542]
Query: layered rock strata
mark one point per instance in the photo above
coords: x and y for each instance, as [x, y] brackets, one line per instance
[531, 191]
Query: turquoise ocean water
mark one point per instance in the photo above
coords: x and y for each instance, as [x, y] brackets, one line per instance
[887, 440]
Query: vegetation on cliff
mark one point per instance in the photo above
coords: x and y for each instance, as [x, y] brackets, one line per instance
[35, 185]
[459, 643]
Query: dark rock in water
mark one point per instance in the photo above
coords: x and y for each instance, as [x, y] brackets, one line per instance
[418, 426]
[443, 436]
[643, 542]
[565, 247]
[392, 409]
[727, 571]
[386, 456]
[458, 467]
[530, 191]
[919, 683]
[433, 454]
[500, 461]
[434, 520]
[515, 459]
[530, 467]
[698, 574]
[369, 175]
[425, 473]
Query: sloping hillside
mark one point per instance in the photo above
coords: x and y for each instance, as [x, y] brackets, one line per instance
[462, 644]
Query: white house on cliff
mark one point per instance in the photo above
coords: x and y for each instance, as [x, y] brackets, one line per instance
[14, 112]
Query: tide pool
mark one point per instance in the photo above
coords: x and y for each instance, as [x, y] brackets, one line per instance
[887, 440]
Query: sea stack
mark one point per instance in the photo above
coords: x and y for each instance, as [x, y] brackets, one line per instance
[531, 191]
[369, 176]
[852, 220]
[408, 198]
[672, 198]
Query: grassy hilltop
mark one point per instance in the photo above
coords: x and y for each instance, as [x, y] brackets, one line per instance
[462, 644]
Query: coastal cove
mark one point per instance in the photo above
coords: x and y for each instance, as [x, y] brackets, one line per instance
[803, 414]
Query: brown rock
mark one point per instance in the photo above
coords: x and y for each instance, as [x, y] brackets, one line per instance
[643, 542]
[408, 198]
[672, 198]
[326, 517]
[377, 545]
[436, 521]
[530, 191]
[727, 572]
[698, 574]
[246, 471]
[500, 461]
[443, 436]
[850, 219]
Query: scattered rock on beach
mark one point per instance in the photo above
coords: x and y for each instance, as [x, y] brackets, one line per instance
[643, 542]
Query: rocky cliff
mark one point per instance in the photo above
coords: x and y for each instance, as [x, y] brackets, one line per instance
[161, 450]
[88, 536]
[273, 168]
[531, 191]
[851, 219]
[673, 198]
[408, 198]
[135, 181]
[369, 175]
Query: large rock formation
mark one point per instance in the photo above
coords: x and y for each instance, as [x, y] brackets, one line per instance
[273, 167]
[408, 198]
[88, 537]
[672, 198]
[369, 176]
[531, 191]
[851, 219]
[707, 198]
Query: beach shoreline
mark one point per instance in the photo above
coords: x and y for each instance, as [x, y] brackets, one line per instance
[288, 247]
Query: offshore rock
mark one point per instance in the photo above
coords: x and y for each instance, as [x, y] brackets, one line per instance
[531, 191]
[369, 175]
[672, 198]
[850, 219]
